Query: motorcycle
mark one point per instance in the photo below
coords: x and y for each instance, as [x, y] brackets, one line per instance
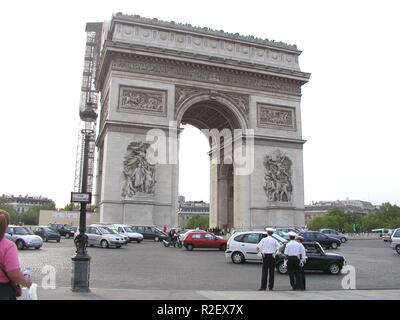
[174, 241]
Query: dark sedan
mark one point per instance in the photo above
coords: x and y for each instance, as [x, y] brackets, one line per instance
[324, 240]
[47, 234]
[317, 260]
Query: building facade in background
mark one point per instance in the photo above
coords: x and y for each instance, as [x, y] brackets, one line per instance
[70, 218]
[22, 204]
[321, 208]
[189, 209]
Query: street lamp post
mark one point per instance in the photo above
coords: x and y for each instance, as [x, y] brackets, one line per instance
[81, 260]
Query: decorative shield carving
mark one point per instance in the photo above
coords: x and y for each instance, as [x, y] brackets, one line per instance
[278, 177]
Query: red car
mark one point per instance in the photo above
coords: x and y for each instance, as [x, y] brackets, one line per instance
[203, 240]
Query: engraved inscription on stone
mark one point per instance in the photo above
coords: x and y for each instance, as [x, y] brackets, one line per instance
[142, 100]
[276, 117]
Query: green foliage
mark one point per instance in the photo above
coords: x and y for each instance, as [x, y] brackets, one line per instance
[68, 207]
[13, 214]
[388, 216]
[201, 222]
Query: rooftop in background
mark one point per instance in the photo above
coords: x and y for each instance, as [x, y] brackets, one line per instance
[346, 205]
[194, 206]
[25, 199]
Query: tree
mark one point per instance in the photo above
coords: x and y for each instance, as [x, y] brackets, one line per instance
[201, 222]
[13, 214]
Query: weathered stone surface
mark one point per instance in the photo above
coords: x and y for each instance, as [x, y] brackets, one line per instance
[153, 75]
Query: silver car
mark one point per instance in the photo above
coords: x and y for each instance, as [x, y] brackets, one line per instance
[334, 234]
[103, 237]
[23, 237]
[395, 240]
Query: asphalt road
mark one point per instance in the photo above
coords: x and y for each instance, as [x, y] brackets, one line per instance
[149, 265]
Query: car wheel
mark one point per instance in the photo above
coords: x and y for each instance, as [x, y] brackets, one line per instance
[334, 268]
[398, 249]
[20, 244]
[138, 241]
[118, 247]
[189, 247]
[104, 244]
[37, 248]
[222, 247]
[282, 269]
[343, 240]
[334, 245]
[238, 257]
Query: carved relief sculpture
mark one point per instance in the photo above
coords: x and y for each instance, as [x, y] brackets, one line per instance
[141, 100]
[138, 173]
[276, 117]
[278, 177]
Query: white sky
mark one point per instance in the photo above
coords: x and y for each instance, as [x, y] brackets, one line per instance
[350, 107]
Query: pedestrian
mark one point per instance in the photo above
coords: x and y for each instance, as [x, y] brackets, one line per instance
[10, 270]
[303, 261]
[293, 251]
[268, 247]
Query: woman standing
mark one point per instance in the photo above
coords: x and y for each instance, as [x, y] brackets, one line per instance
[10, 269]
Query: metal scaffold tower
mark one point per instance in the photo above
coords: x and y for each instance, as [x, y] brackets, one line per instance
[89, 94]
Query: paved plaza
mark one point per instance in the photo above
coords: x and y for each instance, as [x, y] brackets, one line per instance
[149, 270]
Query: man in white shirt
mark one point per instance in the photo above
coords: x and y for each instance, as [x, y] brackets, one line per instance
[293, 253]
[303, 261]
[268, 247]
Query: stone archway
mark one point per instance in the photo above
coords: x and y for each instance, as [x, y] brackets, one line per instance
[217, 114]
[154, 75]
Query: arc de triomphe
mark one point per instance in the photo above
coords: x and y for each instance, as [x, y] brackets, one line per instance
[155, 75]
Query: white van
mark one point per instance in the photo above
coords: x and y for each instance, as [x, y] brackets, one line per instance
[126, 230]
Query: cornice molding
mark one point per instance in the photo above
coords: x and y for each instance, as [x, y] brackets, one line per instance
[169, 68]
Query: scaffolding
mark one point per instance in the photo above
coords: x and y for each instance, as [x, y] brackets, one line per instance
[89, 94]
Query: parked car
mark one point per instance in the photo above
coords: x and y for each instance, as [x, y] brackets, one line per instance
[286, 230]
[282, 234]
[74, 229]
[126, 230]
[241, 246]
[203, 239]
[395, 240]
[112, 231]
[63, 229]
[317, 260]
[47, 233]
[184, 233]
[103, 237]
[334, 234]
[23, 237]
[324, 240]
[150, 232]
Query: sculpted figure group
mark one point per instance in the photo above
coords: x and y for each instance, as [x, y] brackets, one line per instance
[139, 174]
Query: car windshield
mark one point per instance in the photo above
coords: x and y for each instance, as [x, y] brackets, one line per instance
[128, 229]
[22, 231]
[320, 247]
[105, 230]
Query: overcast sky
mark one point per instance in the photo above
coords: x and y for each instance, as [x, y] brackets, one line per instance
[350, 107]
